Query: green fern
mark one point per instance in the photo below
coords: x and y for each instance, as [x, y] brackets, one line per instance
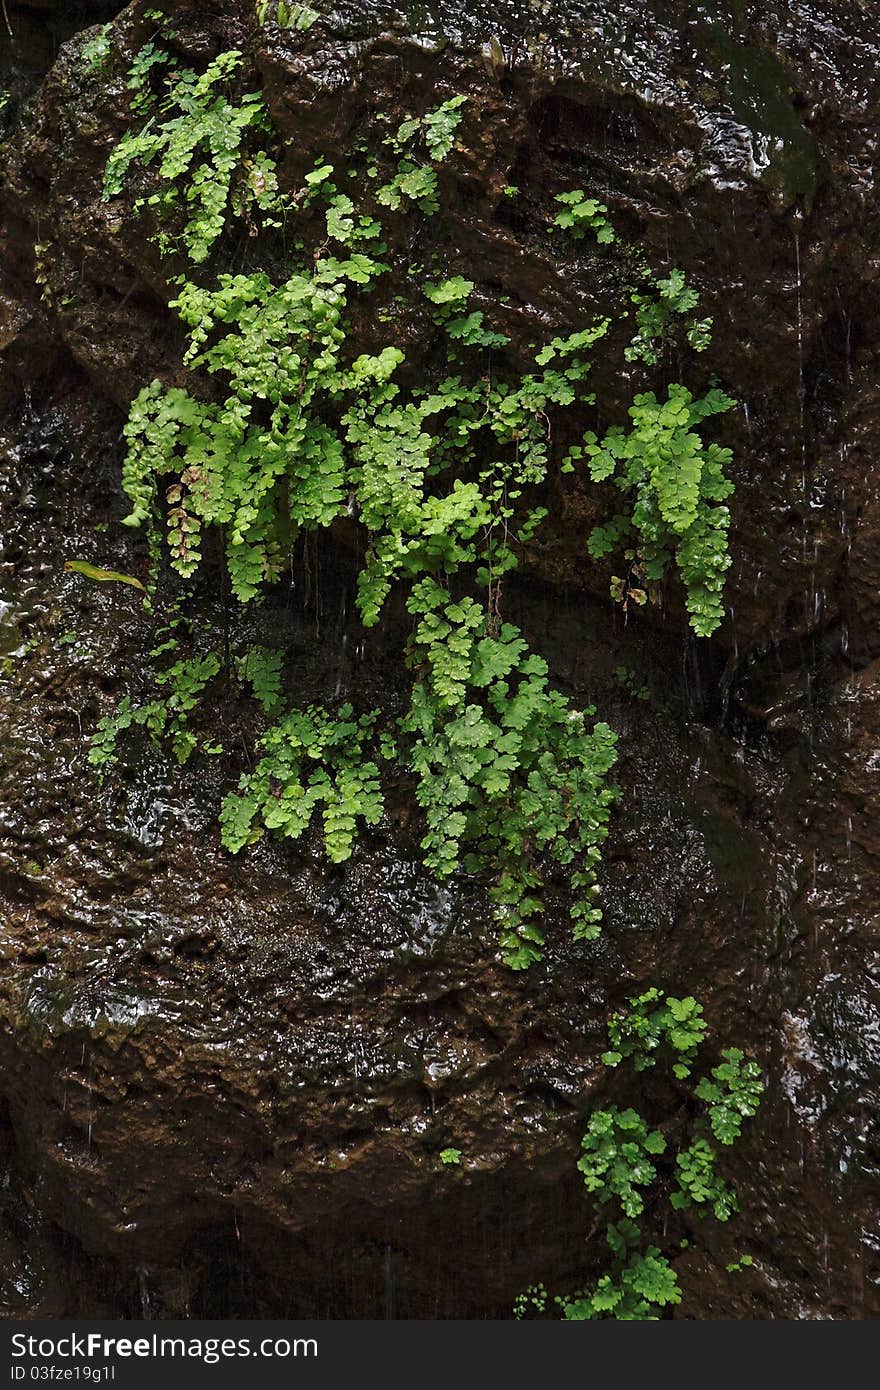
[508, 773]
[580, 214]
[659, 307]
[260, 668]
[616, 1160]
[699, 1182]
[626, 1165]
[654, 1021]
[280, 429]
[97, 52]
[416, 182]
[733, 1094]
[676, 486]
[645, 1283]
[311, 760]
[202, 143]
[166, 718]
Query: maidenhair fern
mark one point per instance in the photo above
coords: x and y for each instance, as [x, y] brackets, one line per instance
[198, 151]
[733, 1093]
[675, 487]
[313, 759]
[508, 773]
[699, 1183]
[416, 180]
[97, 51]
[642, 1174]
[616, 1156]
[653, 1022]
[281, 427]
[659, 304]
[581, 214]
[166, 718]
[260, 668]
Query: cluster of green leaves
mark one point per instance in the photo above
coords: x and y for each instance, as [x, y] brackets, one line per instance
[182, 683]
[508, 772]
[659, 305]
[675, 486]
[534, 1298]
[628, 1165]
[97, 50]
[398, 451]
[263, 463]
[581, 214]
[286, 15]
[260, 668]
[652, 1021]
[198, 149]
[616, 1161]
[166, 718]
[673, 483]
[450, 299]
[149, 60]
[313, 758]
[733, 1093]
[642, 1283]
[422, 143]
[631, 683]
[285, 429]
[699, 1182]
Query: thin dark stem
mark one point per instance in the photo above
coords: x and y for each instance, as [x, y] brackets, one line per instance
[224, 589]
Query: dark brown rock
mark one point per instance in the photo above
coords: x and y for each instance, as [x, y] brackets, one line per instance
[227, 1082]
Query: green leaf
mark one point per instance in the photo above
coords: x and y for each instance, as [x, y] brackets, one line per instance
[102, 576]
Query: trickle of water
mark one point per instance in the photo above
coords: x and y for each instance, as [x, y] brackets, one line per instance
[800, 340]
[844, 515]
[389, 1282]
[343, 645]
[146, 1300]
[847, 338]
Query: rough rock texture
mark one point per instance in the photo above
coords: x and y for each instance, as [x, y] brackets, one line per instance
[226, 1083]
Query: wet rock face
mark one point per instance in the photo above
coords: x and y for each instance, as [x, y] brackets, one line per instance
[226, 1083]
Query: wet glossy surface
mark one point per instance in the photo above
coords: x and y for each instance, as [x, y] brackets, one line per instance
[226, 1082]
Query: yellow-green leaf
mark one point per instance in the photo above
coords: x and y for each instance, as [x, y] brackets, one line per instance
[103, 576]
